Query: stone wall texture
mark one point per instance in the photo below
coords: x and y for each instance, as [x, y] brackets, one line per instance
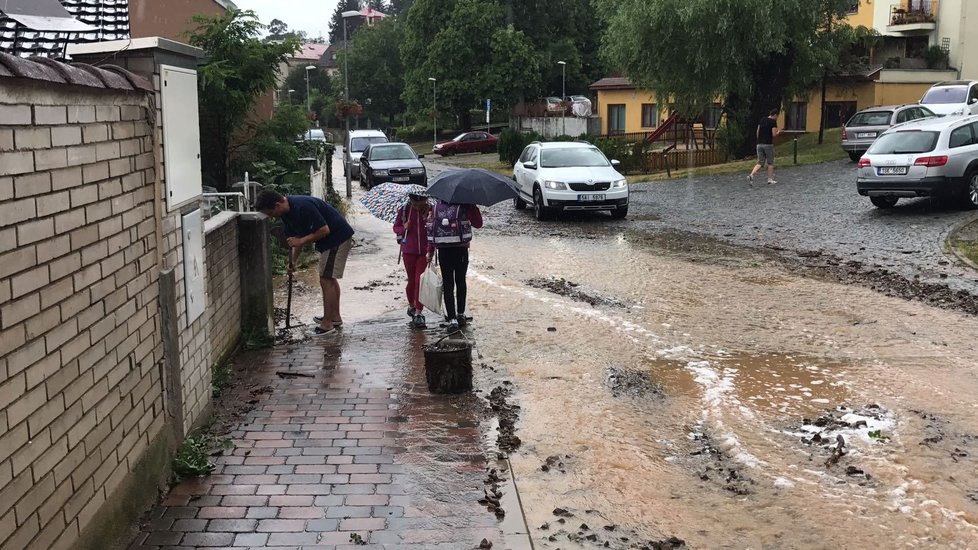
[81, 392]
[223, 286]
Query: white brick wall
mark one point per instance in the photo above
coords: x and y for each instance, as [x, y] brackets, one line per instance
[80, 391]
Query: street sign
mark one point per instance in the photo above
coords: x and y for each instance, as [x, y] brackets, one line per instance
[488, 109]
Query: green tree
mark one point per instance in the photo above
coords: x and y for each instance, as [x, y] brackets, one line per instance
[278, 30]
[473, 54]
[336, 22]
[376, 71]
[240, 68]
[319, 81]
[752, 53]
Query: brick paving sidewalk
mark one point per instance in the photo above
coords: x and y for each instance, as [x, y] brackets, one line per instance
[359, 451]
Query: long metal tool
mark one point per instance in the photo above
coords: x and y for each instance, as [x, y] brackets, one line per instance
[288, 305]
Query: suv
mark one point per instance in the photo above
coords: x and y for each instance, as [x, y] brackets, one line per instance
[924, 158]
[569, 176]
[863, 128]
[956, 97]
[356, 142]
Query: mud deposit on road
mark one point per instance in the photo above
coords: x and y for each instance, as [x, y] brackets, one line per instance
[589, 529]
[632, 383]
[508, 414]
[563, 287]
[883, 280]
[715, 466]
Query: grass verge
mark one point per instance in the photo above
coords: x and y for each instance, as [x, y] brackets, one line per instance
[968, 249]
[809, 152]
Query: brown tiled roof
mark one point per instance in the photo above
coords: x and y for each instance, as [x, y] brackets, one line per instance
[613, 83]
[109, 17]
[78, 74]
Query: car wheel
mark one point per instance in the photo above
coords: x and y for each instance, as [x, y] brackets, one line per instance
[519, 203]
[540, 212]
[619, 213]
[855, 156]
[971, 190]
[884, 202]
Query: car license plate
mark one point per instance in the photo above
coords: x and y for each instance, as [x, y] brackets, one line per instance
[865, 135]
[590, 197]
[402, 178]
[893, 170]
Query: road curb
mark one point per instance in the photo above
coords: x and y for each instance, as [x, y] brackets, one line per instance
[951, 238]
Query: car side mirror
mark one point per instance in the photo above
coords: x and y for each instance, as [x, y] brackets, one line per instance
[615, 162]
[973, 100]
[530, 165]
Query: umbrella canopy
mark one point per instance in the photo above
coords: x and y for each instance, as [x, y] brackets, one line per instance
[472, 186]
[384, 200]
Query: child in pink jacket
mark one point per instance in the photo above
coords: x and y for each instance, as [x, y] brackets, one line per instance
[412, 234]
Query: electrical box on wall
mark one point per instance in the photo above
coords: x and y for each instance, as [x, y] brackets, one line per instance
[193, 265]
[181, 136]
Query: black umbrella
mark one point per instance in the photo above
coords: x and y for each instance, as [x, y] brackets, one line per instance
[472, 186]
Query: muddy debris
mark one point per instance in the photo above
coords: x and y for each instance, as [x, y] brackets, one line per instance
[492, 495]
[554, 462]
[485, 544]
[631, 383]
[568, 289]
[609, 536]
[374, 285]
[507, 414]
[719, 467]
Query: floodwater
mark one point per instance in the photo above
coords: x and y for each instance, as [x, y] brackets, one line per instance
[705, 393]
[747, 363]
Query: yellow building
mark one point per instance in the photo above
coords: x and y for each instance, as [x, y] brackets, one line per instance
[896, 74]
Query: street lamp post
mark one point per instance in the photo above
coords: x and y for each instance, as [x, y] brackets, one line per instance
[308, 98]
[563, 95]
[346, 96]
[434, 108]
[290, 97]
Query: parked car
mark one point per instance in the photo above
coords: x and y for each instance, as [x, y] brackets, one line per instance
[567, 176]
[316, 134]
[394, 162]
[579, 105]
[864, 127]
[933, 157]
[554, 104]
[469, 142]
[356, 142]
[955, 97]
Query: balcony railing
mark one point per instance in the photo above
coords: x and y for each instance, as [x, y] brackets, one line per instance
[913, 12]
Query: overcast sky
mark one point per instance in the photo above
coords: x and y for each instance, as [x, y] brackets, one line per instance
[311, 16]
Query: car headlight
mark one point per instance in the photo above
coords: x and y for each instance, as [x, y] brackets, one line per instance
[437, 146]
[620, 183]
[417, 171]
[380, 172]
[555, 185]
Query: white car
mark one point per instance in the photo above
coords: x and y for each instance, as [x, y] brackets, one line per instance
[954, 98]
[569, 176]
[356, 142]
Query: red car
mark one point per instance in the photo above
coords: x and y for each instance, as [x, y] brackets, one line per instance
[469, 142]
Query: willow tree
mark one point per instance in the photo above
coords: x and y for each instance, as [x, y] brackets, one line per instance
[752, 54]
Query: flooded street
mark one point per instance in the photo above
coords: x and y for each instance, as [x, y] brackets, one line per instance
[703, 394]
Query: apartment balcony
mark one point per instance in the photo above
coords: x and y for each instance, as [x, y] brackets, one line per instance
[913, 17]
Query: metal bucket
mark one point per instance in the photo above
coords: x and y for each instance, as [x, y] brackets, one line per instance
[448, 366]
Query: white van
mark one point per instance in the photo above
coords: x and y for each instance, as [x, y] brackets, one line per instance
[356, 142]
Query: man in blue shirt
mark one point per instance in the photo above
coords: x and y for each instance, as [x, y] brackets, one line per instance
[310, 220]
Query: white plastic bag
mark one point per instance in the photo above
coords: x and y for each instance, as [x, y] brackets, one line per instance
[431, 293]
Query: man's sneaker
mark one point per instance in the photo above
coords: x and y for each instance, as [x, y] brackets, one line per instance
[771, 181]
[750, 178]
[452, 326]
[419, 321]
[462, 321]
[318, 319]
[412, 312]
[320, 331]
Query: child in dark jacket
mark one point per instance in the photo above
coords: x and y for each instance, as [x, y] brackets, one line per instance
[412, 234]
[450, 232]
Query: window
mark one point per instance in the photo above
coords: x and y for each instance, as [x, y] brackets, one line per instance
[852, 6]
[902, 143]
[904, 116]
[650, 115]
[616, 119]
[796, 117]
[572, 157]
[526, 154]
[973, 96]
[837, 112]
[960, 137]
[870, 118]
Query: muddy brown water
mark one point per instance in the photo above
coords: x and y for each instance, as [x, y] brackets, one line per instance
[745, 353]
[740, 358]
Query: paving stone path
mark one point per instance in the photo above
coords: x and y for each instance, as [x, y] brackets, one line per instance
[357, 455]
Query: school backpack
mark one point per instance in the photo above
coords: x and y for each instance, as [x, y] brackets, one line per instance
[450, 225]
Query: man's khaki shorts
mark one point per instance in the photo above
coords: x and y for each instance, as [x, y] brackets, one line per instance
[332, 262]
